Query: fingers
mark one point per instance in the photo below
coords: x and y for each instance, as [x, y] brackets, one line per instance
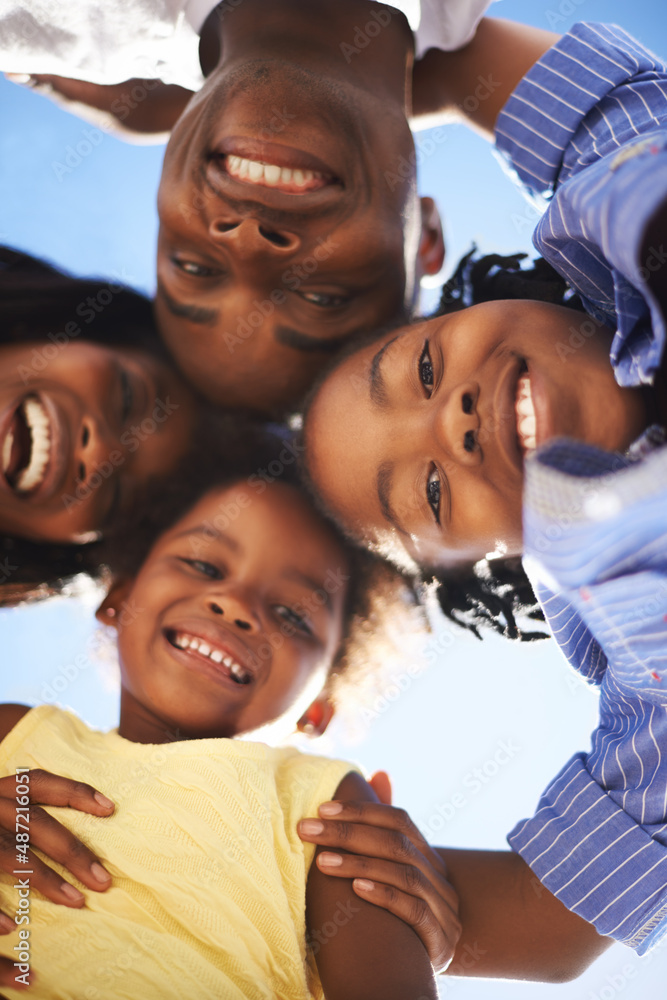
[438, 931]
[430, 909]
[380, 782]
[372, 829]
[49, 789]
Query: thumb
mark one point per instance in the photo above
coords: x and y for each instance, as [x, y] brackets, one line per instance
[380, 782]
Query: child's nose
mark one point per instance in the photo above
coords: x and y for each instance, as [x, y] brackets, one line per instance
[457, 425]
[237, 609]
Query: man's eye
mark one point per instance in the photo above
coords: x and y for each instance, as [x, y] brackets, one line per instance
[294, 618]
[323, 300]
[193, 268]
[425, 370]
[433, 493]
[204, 568]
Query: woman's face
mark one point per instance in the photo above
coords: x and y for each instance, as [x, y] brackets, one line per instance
[422, 435]
[82, 434]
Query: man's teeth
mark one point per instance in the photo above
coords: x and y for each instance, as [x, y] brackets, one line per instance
[38, 424]
[184, 641]
[270, 174]
[525, 415]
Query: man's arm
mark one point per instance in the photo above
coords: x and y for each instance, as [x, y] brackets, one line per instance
[513, 927]
[362, 951]
[475, 82]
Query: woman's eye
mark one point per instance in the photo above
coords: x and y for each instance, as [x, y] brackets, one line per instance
[323, 300]
[193, 268]
[294, 618]
[204, 568]
[433, 493]
[425, 368]
[127, 396]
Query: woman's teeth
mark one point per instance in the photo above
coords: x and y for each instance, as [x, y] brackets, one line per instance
[33, 463]
[184, 641]
[525, 415]
[271, 175]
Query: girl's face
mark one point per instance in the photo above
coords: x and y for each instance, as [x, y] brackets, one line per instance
[82, 433]
[423, 434]
[234, 618]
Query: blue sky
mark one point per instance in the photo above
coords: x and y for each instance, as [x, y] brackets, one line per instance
[87, 202]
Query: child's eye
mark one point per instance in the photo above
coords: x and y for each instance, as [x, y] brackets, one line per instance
[203, 567]
[425, 370]
[294, 618]
[127, 396]
[193, 268]
[433, 493]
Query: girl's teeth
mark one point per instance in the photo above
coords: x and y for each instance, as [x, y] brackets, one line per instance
[525, 415]
[194, 644]
[204, 649]
[216, 656]
[39, 426]
[271, 174]
[256, 171]
[227, 661]
[182, 642]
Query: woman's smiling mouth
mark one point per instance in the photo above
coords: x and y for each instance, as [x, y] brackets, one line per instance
[26, 449]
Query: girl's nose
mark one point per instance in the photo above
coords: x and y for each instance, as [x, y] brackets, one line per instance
[457, 425]
[237, 607]
[92, 450]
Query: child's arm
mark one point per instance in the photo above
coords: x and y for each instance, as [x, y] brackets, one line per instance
[513, 927]
[136, 110]
[476, 81]
[362, 951]
[20, 813]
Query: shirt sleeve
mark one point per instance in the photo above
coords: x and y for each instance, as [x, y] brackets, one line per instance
[596, 535]
[586, 128]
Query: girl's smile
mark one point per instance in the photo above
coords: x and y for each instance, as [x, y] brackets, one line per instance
[424, 433]
[80, 439]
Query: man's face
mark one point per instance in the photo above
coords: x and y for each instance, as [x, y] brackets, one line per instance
[287, 210]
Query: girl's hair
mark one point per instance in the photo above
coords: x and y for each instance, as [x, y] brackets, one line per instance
[39, 302]
[493, 594]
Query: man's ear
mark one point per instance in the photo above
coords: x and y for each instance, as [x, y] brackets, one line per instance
[112, 605]
[317, 717]
[431, 253]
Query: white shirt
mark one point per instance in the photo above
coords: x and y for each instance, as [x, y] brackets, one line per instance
[109, 41]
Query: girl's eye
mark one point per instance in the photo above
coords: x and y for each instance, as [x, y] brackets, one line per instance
[433, 493]
[294, 618]
[127, 396]
[425, 370]
[193, 268]
[323, 300]
[204, 568]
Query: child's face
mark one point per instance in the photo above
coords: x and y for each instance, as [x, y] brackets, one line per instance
[422, 435]
[260, 278]
[234, 618]
[83, 429]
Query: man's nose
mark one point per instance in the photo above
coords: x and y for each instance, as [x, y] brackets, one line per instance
[457, 425]
[249, 237]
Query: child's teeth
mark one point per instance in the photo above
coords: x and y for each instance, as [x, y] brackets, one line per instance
[204, 649]
[216, 656]
[269, 174]
[227, 660]
[194, 643]
[39, 426]
[7, 450]
[182, 641]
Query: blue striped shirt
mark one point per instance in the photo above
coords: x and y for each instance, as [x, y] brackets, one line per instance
[586, 129]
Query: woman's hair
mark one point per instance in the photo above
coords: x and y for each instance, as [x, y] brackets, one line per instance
[38, 302]
[494, 593]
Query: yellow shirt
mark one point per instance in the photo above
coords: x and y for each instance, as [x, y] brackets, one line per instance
[209, 875]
